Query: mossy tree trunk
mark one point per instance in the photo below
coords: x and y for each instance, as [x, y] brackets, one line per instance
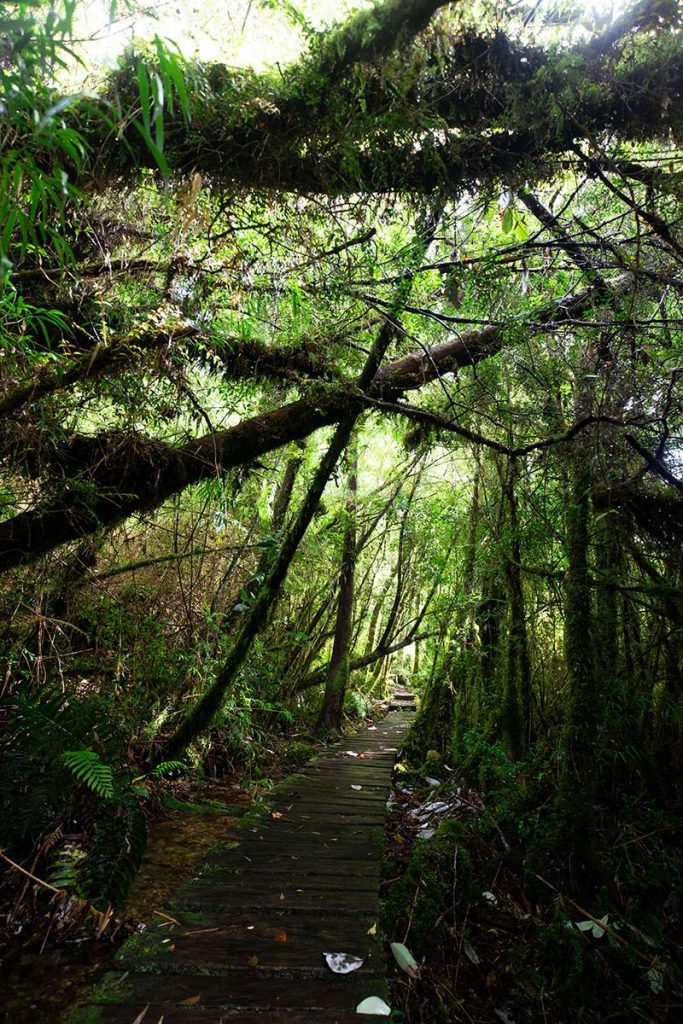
[580, 745]
[516, 696]
[338, 670]
[203, 713]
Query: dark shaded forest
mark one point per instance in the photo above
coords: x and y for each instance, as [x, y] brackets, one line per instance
[360, 367]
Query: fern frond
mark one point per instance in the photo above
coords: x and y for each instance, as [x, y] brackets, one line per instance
[44, 721]
[120, 841]
[64, 869]
[88, 768]
[168, 768]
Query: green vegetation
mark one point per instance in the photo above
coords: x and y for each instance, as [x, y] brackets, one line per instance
[356, 366]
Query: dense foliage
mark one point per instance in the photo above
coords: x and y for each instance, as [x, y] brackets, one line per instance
[224, 516]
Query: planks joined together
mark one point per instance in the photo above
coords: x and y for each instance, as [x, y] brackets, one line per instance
[253, 924]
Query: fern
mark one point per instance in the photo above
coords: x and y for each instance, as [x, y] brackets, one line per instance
[167, 768]
[88, 767]
[120, 840]
[64, 869]
[45, 721]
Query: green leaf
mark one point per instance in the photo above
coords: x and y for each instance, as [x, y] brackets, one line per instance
[161, 161]
[89, 769]
[508, 221]
[405, 959]
[143, 88]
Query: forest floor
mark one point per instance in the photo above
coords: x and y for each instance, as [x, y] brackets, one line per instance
[495, 940]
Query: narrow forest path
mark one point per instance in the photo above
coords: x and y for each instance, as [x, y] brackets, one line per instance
[253, 925]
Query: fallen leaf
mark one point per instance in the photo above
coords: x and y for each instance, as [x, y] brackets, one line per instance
[492, 899]
[105, 918]
[405, 959]
[373, 929]
[192, 1001]
[356, 787]
[502, 1014]
[342, 963]
[374, 1005]
[281, 936]
[470, 952]
[276, 814]
[252, 961]
[282, 895]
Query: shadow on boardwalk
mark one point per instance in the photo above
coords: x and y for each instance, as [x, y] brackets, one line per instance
[251, 928]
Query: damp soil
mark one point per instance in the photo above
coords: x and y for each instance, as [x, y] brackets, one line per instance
[42, 985]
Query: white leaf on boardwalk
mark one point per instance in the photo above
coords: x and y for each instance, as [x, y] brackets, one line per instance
[342, 963]
[374, 1005]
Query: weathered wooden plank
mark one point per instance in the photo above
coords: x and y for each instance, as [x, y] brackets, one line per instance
[304, 863]
[231, 881]
[288, 941]
[246, 990]
[196, 1015]
[214, 898]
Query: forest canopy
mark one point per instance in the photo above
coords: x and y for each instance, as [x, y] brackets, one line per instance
[360, 361]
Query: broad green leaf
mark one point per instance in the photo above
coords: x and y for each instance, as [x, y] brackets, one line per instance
[405, 959]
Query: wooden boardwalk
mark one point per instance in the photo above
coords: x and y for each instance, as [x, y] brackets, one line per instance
[253, 925]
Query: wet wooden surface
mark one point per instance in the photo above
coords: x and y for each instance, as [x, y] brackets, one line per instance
[253, 924]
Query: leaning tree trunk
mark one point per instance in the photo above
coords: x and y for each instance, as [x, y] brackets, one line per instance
[204, 712]
[338, 671]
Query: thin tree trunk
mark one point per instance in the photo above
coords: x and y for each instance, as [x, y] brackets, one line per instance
[203, 713]
[338, 671]
[517, 682]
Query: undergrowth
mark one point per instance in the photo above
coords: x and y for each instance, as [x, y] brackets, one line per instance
[504, 928]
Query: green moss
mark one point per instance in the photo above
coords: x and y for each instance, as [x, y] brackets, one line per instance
[112, 989]
[297, 753]
[204, 807]
[84, 1015]
[143, 950]
[425, 890]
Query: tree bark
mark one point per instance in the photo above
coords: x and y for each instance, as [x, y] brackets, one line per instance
[339, 667]
[110, 476]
